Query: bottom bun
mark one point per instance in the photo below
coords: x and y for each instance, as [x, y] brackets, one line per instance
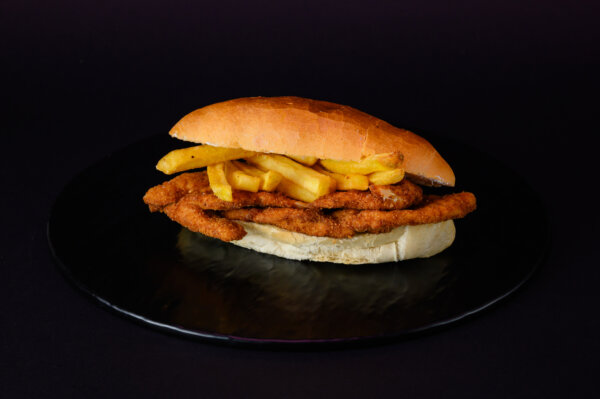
[404, 242]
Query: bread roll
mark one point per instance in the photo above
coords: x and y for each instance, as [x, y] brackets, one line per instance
[404, 242]
[299, 126]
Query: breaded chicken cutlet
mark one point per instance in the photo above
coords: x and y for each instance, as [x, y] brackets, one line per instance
[188, 200]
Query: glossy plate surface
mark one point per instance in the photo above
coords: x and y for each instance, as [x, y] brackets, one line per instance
[148, 268]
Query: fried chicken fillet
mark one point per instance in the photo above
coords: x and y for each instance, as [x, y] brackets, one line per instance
[188, 200]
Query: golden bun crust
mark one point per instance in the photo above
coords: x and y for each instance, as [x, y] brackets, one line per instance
[299, 126]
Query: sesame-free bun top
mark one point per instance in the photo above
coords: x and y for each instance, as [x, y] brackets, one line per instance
[299, 126]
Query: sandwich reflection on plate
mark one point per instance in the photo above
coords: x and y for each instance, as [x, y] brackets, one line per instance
[240, 292]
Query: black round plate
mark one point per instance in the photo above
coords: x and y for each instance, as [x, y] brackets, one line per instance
[148, 268]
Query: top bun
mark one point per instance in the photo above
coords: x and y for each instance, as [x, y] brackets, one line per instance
[299, 126]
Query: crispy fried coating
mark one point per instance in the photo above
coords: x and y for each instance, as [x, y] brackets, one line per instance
[188, 200]
[173, 190]
[205, 222]
[433, 209]
[242, 199]
[397, 196]
[194, 187]
[308, 221]
[348, 222]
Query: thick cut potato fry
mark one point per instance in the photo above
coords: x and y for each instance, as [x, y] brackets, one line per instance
[387, 177]
[333, 184]
[217, 179]
[305, 160]
[198, 157]
[295, 191]
[301, 175]
[271, 181]
[248, 169]
[374, 163]
[346, 182]
[240, 180]
[268, 180]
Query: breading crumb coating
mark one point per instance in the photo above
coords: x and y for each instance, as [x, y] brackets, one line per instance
[188, 200]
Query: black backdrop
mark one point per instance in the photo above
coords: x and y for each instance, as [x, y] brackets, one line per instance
[517, 80]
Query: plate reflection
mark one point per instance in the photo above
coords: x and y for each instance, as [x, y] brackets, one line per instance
[223, 288]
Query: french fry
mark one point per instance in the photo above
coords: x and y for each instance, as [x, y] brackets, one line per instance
[240, 180]
[305, 160]
[387, 177]
[248, 169]
[332, 184]
[374, 163]
[301, 175]
[198, 157]
[217, 179]
[268, 180]
[346, 182]
[295, 191]
[271, 181]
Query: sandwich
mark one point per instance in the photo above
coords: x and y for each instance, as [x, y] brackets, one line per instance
[308, 180]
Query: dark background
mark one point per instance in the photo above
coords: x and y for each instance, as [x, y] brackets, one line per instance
[517, 80]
